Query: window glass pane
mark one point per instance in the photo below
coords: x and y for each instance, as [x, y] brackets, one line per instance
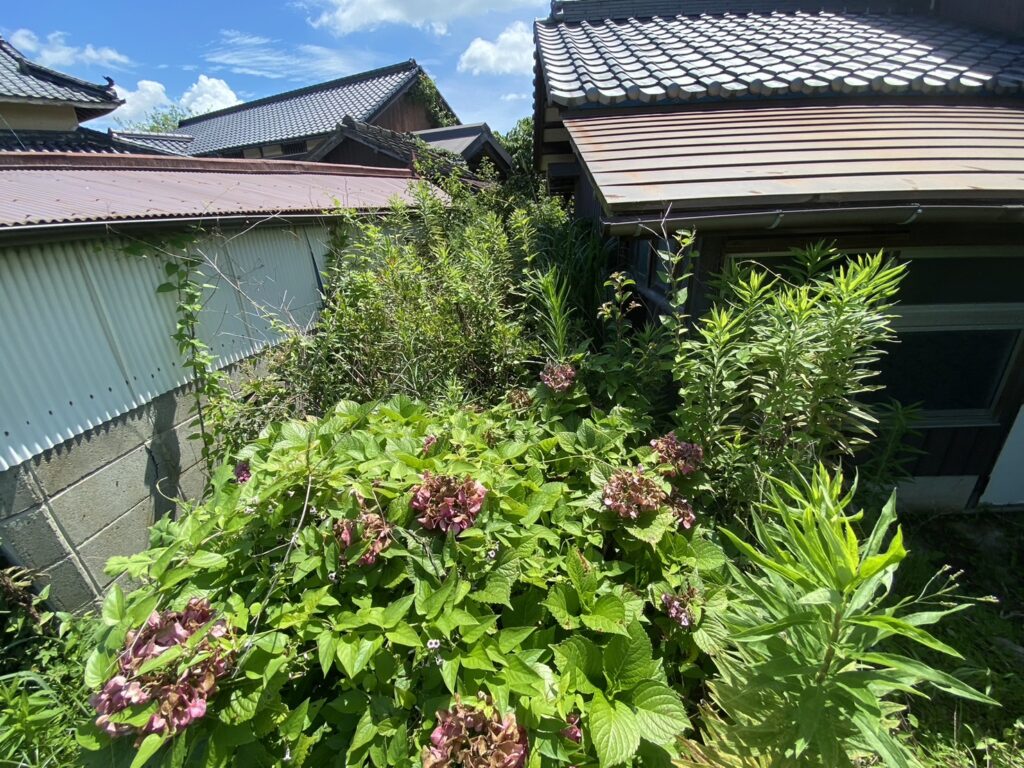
[946, 370]
[963, 281]
[641, 265]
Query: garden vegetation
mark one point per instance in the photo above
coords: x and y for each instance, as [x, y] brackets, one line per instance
[483, 515]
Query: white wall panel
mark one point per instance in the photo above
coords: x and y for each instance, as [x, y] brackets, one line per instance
[84, 337]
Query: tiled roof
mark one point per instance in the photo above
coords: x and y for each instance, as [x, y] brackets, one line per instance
[465, 140]
[401, 146]
[673, 59]
[297, 114]
[81, 140]
[169, 143]
[41, 190]
[23, 80]
[599, 10]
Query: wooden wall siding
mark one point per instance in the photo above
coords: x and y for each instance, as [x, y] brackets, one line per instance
[773, 156]
[353, 153]
[405, 116]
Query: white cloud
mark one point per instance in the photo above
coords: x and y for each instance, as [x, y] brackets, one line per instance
[345, 16]
[208, 94]
[510, 54]
[515, 96]
[55, 52]
[147, 96]
[246, 54]
[205, 95]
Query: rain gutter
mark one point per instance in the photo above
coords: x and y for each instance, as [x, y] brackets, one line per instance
[650, 225]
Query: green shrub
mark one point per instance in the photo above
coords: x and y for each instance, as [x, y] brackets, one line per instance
[426, 302]
[806, 679]
[370, 571]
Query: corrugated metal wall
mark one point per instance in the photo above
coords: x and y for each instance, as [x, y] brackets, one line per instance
[84, 337]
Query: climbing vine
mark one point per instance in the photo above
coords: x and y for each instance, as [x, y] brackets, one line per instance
[184, 279]
[425, 92]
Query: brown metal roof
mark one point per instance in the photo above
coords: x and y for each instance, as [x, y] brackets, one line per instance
[759, 158]
[52, 189]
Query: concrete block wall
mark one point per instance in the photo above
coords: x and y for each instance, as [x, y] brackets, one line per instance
[66, 512]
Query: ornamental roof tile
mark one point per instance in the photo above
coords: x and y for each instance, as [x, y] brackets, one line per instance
[24, 80]
[675, 58]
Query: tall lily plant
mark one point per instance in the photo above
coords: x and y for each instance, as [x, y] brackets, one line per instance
[810, 677]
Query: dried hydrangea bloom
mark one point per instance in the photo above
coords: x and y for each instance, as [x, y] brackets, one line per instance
[519, 399]
[572, 730]
[469, 737]
[370, 527]
[446, 503]
[428, 443]
[683, 511]
[558, 377]
[242, 472]
[181, 698]
[631, 493]
[683, 458]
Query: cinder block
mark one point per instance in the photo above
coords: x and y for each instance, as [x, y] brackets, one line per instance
[174, 452]
[31, 540]
[90, 506]
[18, 491]
[63, 466]
[127, 535]
[193, 484]
[70, 588]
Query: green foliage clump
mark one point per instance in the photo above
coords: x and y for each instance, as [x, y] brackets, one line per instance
[426, 302]
[360, 607]
[807, 679]
[42, 695]
[770, 379]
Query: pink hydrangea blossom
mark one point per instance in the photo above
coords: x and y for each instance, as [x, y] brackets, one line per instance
[572, 730]
[470, 737]
[446, 503]
[181, 697]
[370, 527]
[683, 511]
[558, 377]
[631, 493]
[682, 458]
[242, 472]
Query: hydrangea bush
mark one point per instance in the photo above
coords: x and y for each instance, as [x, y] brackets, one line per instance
[389, 586]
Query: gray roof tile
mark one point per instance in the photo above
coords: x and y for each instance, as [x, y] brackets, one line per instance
[297, 114]
[24, 80]
[729, 55]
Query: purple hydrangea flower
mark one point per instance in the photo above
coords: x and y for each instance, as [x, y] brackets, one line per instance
[470, 737]
[677, 607]
[572, 730]
[181, 698]
[369, 527]
[631, 493]
[683, 511]
[428, 442]
[682, 458]
[242, 472]
[445, 503]
[558, 377]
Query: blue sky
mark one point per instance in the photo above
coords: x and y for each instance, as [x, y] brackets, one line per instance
[207, 55]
